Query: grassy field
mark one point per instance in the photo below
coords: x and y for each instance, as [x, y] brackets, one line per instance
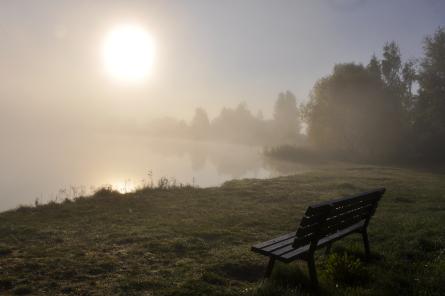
[191, 241]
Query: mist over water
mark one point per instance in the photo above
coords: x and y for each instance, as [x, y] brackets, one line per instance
[53, 168]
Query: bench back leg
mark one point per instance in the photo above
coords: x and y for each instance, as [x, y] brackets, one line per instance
[312, 271]
[366, 243]
[269, 267]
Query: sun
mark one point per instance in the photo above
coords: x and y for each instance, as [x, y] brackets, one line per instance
[128, 53]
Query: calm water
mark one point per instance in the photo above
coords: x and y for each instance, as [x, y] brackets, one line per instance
[52, 169]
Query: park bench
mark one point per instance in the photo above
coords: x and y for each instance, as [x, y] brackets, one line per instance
[321, 225]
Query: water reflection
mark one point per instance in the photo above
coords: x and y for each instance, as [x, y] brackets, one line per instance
[228, 160]
[38, 168]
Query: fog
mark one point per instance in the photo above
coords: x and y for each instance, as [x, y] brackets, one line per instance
[228, 79]
[53, 76]
[54, 169]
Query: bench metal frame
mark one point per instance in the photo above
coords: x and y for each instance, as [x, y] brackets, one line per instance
[321, 226]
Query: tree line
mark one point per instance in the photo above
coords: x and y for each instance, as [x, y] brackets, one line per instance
[239, 125]
[389, 109]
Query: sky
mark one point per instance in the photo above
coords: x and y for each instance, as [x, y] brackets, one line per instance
[209, 54]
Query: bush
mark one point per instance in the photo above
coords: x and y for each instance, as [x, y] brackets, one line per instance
[106, 191]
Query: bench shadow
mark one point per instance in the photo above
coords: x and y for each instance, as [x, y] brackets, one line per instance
[289, 277]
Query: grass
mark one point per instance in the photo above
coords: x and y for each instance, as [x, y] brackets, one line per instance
[191, 241]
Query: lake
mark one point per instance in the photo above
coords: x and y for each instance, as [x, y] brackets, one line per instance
[56, 168]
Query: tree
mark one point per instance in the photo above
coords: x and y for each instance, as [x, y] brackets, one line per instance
[374, 67]
[409, 76]
[200, 124]
[351, 113]
[239, 125]
[391, 65]
[430, 106]
[286, 120]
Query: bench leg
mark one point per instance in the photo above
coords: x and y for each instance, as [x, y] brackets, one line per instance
[269, 267]
[366, 243]
[312, 271]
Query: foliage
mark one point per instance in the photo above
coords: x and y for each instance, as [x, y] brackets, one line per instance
[239, 125]
[372, 113]
[286, 120]
[352, 113]
[430, 108]
[200, 124]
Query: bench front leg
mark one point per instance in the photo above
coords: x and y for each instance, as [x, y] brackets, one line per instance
[269, 267]
[312, 271]
[366, 243]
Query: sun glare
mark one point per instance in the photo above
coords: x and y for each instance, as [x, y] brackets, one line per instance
[128, 53]
[125, 186]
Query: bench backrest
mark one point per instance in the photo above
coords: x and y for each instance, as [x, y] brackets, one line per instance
[324, 219]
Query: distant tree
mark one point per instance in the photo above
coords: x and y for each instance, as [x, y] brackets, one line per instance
[351, 112]
[430, 106]
[200, 124]
[238, 125]
[391, 65]
[286, 117]
[409, 76]
[374, 67]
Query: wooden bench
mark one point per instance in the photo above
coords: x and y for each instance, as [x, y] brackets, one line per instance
[321, 225]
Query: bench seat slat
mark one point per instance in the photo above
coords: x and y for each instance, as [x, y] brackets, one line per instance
[292, 254]
[300, 241]
[284, 250]
[275, 240]
[278, 245]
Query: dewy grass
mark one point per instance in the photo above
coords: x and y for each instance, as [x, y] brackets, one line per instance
[196, 241]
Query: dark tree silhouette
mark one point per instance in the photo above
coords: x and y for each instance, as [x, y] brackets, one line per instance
[390, 109]
[430, 107]
[351, 113]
